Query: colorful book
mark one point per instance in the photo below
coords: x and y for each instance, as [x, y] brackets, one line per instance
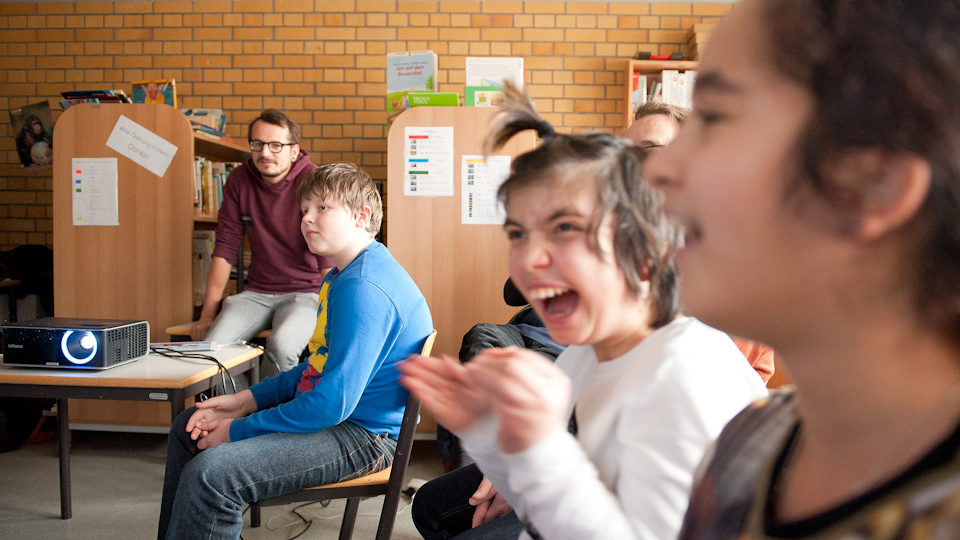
[409, 72]
[483, 96]
[214, 119]
[161, 91]
[434, 99]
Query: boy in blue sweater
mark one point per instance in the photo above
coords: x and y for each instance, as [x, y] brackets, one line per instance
[332, 418]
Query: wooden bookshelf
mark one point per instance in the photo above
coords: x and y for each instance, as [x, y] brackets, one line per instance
[648, 68]
[142, 268]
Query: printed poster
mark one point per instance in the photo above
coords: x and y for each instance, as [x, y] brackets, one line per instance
[94, 187]
[428, 161]
[480, 180]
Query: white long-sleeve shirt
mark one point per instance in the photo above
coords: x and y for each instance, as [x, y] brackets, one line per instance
[645, 420]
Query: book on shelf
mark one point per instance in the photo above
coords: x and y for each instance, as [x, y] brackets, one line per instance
[638, 94]
[208, 131]
[483, 96]
[412, 71]
[208, 180]
[157, 91]
[675, 87]
[32, 126]
[203, 244]
[434, 99]
[493, 71]
[75, 97]
[214, 119]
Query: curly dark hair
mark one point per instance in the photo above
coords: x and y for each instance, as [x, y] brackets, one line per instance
[643, 239]
[884, 74]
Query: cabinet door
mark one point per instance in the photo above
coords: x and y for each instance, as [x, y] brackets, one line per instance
[139, 269]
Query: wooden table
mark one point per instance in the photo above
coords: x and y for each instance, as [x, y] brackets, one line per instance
[152, 378]
[179, 331]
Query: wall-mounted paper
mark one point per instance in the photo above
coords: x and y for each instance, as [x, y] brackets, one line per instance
[428, 161]
[142, 146]
[480, 180]
[94, 187]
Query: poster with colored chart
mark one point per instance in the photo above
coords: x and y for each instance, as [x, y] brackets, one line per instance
[428, 161]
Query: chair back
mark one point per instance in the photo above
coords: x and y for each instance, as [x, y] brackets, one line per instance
[401, 458]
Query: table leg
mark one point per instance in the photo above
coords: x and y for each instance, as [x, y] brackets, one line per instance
[253, 374]
[176, 403]
[63, 446]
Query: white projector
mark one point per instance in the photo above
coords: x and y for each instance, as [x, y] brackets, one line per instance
[58, 342]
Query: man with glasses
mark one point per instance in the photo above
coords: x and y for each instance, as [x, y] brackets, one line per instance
[284, 277]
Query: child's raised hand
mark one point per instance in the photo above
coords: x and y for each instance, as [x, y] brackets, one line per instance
[441, 387]
[529, 394]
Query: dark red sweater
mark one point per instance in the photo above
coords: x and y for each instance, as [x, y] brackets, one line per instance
[281, 261]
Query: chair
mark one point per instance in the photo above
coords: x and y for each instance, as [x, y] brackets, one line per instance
[387, 482]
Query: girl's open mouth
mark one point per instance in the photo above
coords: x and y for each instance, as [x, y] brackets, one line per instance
[556, 301]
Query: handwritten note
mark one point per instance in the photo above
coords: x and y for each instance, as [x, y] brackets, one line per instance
[142, 146]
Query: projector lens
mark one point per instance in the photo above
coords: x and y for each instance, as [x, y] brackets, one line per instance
[78, 346]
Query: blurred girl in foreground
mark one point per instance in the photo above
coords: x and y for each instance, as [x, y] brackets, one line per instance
[819, 184]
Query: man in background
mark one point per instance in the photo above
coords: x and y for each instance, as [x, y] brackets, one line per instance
[655, 124]
[284, 277]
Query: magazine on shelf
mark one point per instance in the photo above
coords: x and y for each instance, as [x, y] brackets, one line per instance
[412, 71]
[158, 91]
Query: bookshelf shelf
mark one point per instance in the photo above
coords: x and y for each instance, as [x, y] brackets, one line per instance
[647, 67]
[226, 149]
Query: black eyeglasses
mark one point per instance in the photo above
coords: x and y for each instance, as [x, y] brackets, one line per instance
[274, 146]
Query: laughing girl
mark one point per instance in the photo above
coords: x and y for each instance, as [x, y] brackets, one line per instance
[590, 250]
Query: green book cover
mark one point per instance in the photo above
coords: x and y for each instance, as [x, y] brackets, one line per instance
[434, 99]
[482, 96]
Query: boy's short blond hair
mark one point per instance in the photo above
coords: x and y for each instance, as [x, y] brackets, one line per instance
[349, 185]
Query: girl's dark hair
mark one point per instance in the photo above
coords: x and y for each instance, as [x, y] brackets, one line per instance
[643, 239]
[884, 74]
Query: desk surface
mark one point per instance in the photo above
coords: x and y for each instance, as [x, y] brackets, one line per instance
[184, 330]
[152, 371]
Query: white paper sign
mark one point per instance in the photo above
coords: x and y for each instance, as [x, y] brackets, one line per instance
[428, 161]
[492, 71]
[480, 180]
[142, 146]
[94, 187]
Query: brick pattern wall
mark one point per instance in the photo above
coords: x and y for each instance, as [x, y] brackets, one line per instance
[323, 61]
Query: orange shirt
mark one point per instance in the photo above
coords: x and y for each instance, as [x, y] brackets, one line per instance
[759, 355]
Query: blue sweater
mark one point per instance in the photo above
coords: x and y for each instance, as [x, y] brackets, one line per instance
[371, 316]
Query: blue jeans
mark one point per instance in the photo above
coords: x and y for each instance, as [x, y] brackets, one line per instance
[292, 319]
[204, 492]
[441, 510]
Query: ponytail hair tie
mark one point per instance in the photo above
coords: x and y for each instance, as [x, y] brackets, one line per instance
[544, 130]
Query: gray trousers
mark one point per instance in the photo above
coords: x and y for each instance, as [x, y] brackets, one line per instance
[291, 317]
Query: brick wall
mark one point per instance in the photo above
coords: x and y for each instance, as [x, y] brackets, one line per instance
[323, 61]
